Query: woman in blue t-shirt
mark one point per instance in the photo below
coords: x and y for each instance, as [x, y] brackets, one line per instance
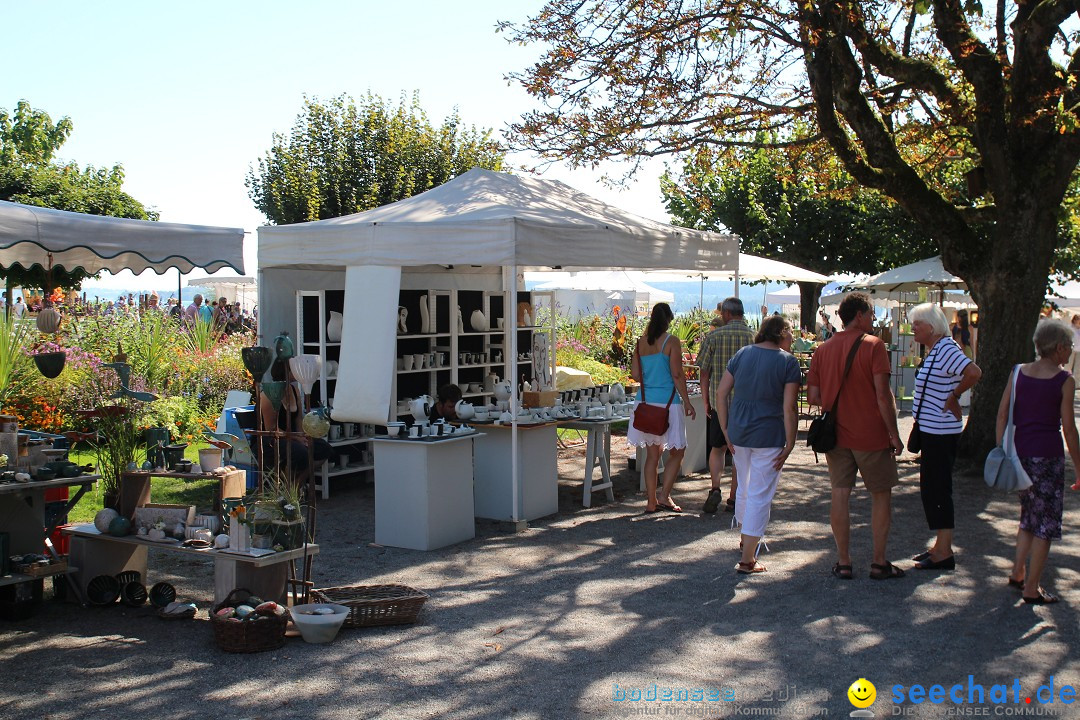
[760, 422]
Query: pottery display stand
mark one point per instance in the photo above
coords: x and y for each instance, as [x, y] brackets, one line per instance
[537, 468]
[423, 492]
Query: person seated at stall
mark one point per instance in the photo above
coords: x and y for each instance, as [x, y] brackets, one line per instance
[277, 452]
[443, 409]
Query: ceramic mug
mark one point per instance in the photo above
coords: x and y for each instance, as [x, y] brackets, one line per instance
[393, 430]
[407, 363]
[335, 433]
[418, 360]
[474, 387]
[348, 429]
[414, 431]
[499, 323]
[343, 461]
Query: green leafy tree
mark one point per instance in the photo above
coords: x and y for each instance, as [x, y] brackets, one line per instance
[782, 206]
[29, 140]
[905, 94]
[342, 157]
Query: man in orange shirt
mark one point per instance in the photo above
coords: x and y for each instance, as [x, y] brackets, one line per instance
[867, 438]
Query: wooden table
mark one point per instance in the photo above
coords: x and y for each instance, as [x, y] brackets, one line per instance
[261, 572]
[135, 487]
[23, 517]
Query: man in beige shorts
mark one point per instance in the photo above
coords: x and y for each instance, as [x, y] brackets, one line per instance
[867, 438]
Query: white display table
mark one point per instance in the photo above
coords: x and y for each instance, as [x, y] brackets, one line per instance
[424, 491]
[696, 458]
[537, 469]
[597, 454]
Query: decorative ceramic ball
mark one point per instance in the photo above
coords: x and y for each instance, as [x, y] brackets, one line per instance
[315, 424]
[221, 541]
[103, 518]
[120, 526]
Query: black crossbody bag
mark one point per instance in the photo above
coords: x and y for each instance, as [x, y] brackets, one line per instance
[914, 440]
[821, 436]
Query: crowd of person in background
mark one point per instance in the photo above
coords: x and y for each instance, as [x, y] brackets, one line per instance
[227, 317]
[750, 383]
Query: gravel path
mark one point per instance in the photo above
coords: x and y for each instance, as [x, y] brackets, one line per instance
[587, 607]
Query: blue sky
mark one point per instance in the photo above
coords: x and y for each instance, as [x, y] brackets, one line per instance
[187, 95]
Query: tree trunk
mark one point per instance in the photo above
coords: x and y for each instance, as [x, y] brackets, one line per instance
[1010, 296]
[808, 299]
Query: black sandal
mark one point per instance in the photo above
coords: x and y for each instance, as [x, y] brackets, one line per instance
[888, 571]
[842, 571]
[1043, 598]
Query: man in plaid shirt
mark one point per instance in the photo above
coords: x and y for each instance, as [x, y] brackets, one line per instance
[718, 347]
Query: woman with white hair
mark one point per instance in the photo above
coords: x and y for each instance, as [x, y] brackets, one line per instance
[1043, 409]
[945, 374]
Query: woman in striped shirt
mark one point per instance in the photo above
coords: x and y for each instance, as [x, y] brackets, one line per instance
[944, 375]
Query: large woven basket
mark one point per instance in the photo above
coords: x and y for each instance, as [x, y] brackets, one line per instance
[250, 635]
[372, 605]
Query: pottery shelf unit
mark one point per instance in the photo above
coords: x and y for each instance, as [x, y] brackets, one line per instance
[470, 353]
[904, 354]
[318, 320]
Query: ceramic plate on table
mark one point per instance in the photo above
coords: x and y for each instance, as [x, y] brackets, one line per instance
[167, 540]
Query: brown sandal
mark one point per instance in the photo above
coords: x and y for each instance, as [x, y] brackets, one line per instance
[750, 568]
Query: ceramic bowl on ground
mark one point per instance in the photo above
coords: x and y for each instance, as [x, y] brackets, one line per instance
[133, 594]
[128, 576]
[103, 590]
[315, 627]
[162, 594]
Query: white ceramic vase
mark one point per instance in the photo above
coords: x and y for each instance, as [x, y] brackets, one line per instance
[478, 321]
[460, 322]
[333, 328]
[403, 313]
[425, 319]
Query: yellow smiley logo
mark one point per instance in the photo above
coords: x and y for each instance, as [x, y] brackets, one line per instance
[862, 693]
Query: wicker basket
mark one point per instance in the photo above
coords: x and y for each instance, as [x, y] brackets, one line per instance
[248, 635]
[372, 605]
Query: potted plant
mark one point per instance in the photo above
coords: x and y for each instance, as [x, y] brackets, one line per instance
[281, 505]
[116, 446]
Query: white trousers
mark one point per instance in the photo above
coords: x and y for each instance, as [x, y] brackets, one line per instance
[757, 486]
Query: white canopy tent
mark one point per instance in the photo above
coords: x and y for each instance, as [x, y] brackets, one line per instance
[242, 289]
[924, 273]
[477, 231]
[598, 292]
[29, 234]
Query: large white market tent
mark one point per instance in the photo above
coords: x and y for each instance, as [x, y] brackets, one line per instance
[489, 218]
[599, 291]
[482, 228]
[29, 234]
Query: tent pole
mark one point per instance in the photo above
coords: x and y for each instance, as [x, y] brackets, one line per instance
[180, 291]
[701, 293]
[510, 326]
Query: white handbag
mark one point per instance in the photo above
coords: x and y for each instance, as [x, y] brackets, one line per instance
[1002, 469]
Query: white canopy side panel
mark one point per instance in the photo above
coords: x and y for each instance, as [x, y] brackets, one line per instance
[368, 345]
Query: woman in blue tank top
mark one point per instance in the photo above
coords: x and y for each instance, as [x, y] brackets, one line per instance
[657, 365]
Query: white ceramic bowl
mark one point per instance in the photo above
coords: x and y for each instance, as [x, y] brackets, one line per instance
[318, 628]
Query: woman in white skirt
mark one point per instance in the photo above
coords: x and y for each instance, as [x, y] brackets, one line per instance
[657, 365]
[760, 422]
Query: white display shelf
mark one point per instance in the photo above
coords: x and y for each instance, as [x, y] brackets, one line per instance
[444, 368]
[423, 336]
[339, 471]
[344, 442]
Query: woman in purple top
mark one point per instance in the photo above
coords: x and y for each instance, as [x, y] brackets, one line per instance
[1044, 407]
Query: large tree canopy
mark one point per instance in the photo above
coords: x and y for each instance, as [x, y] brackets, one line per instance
[784, 205]
[29, 140]
[903, 93]
[341, 158]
